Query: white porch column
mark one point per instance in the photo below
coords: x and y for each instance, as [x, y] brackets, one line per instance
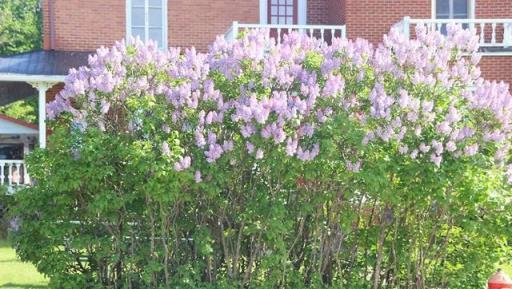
[42, 87]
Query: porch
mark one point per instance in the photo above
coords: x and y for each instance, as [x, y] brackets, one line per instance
[277, 31]
[17, 139]
[495, 34]
[13, 174]
[22, 76]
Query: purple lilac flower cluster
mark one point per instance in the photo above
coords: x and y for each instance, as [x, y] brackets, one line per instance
[424, 95]
[439, 95]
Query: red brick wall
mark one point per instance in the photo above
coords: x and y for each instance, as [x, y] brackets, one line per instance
[46, 24]
[85, 25]
[198, 22]
[493, 9]
[371, 19]
[53, 91]
[497, 68]
[335, 12]
[318, 11]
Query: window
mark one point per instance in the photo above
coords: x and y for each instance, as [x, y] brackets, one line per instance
[452, 9]
[147, 19]
[282, 11]
[11, 151]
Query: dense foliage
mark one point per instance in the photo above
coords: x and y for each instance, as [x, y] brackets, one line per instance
[20, 31]
[263, 165]
[5, 202]
[20, 26]
[22, 109]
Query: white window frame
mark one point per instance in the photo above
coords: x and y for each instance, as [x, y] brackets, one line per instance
[471, 9]
[302, 12]
[165, 26]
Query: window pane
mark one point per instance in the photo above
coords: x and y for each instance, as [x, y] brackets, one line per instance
[289, 20]
[443, 7]
[274, 10]
[139, 32]
[156, 34]
[155, 3]
[138, 2]
[289, 2]
[275, 2]
[138, 17]
[282, 10]
[155, 17]
[274, 20]
[282, 2]
[460, 7]
[282, 20]
[289, 10]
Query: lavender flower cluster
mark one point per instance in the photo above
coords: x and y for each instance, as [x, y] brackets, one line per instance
[424, 96]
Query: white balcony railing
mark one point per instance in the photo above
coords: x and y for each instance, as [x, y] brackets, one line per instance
[13, 174]
[495, 34]
[276, 31]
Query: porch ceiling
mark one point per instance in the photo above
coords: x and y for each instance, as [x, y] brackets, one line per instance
[11, 91]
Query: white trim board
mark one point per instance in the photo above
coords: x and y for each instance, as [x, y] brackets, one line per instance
[263, 11]
[32, 78]
[302, 12]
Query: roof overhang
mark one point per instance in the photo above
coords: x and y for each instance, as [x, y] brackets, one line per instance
[31, 78]
[9, 125]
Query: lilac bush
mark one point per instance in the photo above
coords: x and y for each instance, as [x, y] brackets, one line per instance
[293, 164]
[424, 95]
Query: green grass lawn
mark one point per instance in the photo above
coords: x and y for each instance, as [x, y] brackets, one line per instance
[15, 274]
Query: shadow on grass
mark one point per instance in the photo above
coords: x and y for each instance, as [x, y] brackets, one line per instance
[22, 286]
[4, 244]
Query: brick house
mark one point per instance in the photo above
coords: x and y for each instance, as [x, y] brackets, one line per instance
[74, 28]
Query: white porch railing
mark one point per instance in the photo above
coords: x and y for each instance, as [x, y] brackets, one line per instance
[276, 31]
[13, 174]
[495, 34]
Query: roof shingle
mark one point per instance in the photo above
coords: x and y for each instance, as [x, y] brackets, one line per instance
[43, 62]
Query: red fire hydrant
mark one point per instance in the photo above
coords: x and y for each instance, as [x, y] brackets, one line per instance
[500, 280]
